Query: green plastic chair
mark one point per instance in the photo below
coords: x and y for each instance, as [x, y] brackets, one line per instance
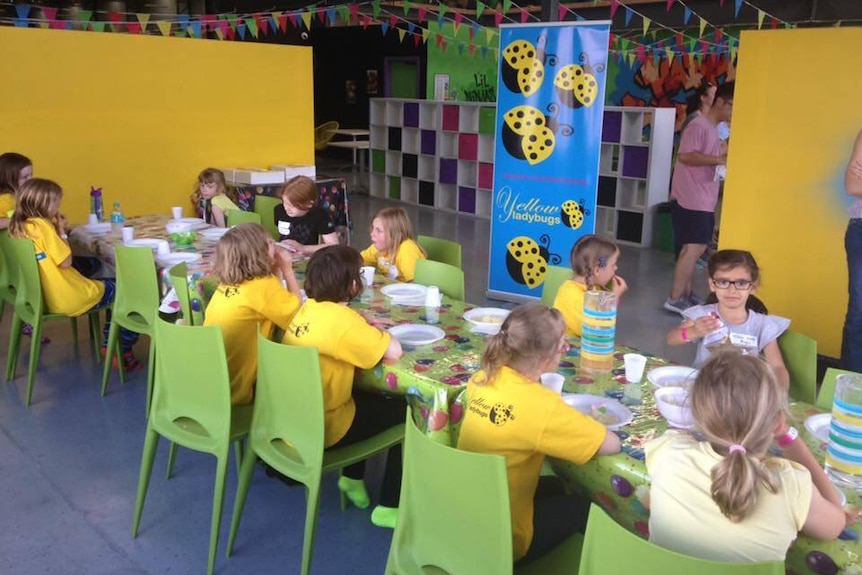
[287, 432]
[135, 305]
[180, 280]
[448, 278]
[237, 217]
[554, 278]
[441, 250]
[800, 357]
[827, 388]
[191, 407]
[610, 549]
[7, 290]
[30, 308]
[476, 512]
[264, 206]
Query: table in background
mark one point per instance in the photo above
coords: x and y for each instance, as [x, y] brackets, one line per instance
[620, 483]
[361, 167]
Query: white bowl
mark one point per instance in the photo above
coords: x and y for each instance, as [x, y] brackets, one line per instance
[178, 227]
[672, 403]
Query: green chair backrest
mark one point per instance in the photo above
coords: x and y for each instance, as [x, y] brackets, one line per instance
[827, 388]
[441, 250]
[800, 357]
[463, 530]
[448, 278]
[237, 217]
[137, 295]
[610, 549]
[7, 291]
[288, 424]
[180, 280]
[264, 206]
[27, 284]
[554, 278]
[191, 395]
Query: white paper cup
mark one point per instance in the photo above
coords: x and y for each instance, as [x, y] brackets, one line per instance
[553, 381]
[92, 219]
[432, 296]
[368, 275]
[635, 364]
[164, 248]
[128, 233]
[177, 212]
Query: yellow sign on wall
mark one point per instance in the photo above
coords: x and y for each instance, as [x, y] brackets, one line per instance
[141, 116]
[796, 114]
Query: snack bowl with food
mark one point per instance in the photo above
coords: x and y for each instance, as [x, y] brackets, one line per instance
[178, 227]
[673, 404]
[186, 238]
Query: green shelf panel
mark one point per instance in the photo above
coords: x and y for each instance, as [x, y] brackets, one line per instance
[395, 188]
[487, 120]
[378, 161]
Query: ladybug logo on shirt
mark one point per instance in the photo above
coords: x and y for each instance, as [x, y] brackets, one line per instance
[231, 291]
[300, 330]
[501, 414]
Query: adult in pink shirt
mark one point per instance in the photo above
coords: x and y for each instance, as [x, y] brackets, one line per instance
[694, 193]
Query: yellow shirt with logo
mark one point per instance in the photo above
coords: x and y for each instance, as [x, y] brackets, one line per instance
[224, 203]
[239, 310]
[522, 421]
[570, 302]
[685, 518]
[405, 260]
[345, 341]
[7, 204]
[65, 290]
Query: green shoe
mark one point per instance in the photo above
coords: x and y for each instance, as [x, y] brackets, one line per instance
[355, 491]
[385, 516]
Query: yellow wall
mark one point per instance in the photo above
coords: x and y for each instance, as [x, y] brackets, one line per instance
[140, 116]
[796, 113]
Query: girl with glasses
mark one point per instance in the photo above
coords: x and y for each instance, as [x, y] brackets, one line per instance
[737, 319]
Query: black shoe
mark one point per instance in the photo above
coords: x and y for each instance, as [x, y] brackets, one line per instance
[270, 472]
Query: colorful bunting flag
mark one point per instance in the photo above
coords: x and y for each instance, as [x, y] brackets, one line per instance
[737, 8]
[773, 22]
[406, 6]
[401, 33]
[614, 7]
[263, 25]
[251, 24]
[240, 29]
[98, 26]
[686, 15]
[524, 17]
[480, 7]
[702, 26]
[422, 13]
[196, 29]
[306, 19]
[561, 13]
[23, 10]
[498, 17]
[344, 13]
[321, 15]
[330, 15]
[164, 27]
[417, 39]
[647, 22]
[760, 16]
[425, 33]
[669, 54]
[375, 9]
[384, 28]
[458, 19]
[115, 18]
[629, 14]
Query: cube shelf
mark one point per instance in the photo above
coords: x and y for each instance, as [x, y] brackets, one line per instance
[446, 197]
[410, 141]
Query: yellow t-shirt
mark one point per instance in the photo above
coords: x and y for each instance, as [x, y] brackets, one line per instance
[7, 204]
[345, 341]
[405, 260]
[65, 290]
[570, 302]
[222, 202]
[522, 421]
[684, 517]
[239, 310]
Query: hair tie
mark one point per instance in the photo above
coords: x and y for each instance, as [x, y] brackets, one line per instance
[737, 447]
[603, 261]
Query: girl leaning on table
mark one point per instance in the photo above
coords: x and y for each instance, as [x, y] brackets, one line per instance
[346, 342]
[250, 296]
[37, 217]
[724, 497]
[212, 197]
[510, 414]
[393, 250]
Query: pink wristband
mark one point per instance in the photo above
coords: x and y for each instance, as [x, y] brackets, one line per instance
[788, 438]
[683, 333]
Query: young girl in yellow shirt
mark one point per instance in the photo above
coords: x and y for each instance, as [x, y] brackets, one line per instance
[346, 342]
[392, 248]
[37, 217]
[15, 169]
[212, 197]
[249, 297]
[594, 264]
[509, 413]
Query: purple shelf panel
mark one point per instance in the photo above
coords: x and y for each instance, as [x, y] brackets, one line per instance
[612, 126]
[635, 161]
[448, 171]
[429, 142]
[467, 200]
[411, 115]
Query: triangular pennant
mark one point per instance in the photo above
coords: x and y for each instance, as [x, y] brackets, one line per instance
[686, 15]
[441, 11]
[490, 34]
[702, 26]
[143, 20]
[331, 16]
[85, 15]
[425, 33]
[99, 26]
[321, 15]
[219, 34]
[474, 30]
[641, 52]
[458, 19]
[275, 16]
[733, 55]
[263, 25]
[760, 16]
[22, 10]
[354, 11]
[507, 5]
[647, 22]
[384, 28]
[222, 27]
[524, 16]
[691, 44]
[295, 19]
[631, 60]
[115, 18]
[789, 26]
[480, 7]
[231, 34]
[163, 26]
[443, 46]
[196, 28]
[306, 19]
[614, 6]
[366, 21]
[669, 5]
[561, 13]
[417, 39]
[629, 14]
[422, 13]
[411, 27]
[232, 18]
[669, 54]
[401, 33]
[240, 30]
[498, 17]
[719, 33]
[133, 27]
[50, 14]
[737, 8]
[393, 20]
[460, 48]
[207, 22]
[773, 22]
[624, 44]
[407, 6]
[252, 26]
[375, 9]
[483, 51]
[344, 13]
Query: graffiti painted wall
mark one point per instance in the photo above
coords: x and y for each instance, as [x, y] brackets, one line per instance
[472, 77]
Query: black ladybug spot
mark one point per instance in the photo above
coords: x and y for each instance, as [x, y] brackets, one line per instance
[533, 138]
[578, 72]
[539, 74]
[529, 54]
[592, 84]
[580, 86]
[541, 148]
[534, 156]
[587, 100]
[527, 88]
[542, 269]
[520, 113]
[515, 48]
[517, 125]
[514, 60]
[534, 250]
[532, 112]
[530, 265]
[520, 244]
[549, 143]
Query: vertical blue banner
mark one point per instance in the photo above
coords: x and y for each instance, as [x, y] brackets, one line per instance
[550, 96]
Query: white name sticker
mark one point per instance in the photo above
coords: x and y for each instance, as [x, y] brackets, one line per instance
[744, 340]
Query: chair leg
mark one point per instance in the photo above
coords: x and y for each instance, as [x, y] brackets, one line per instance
[113, 336]
[151, 443]
[313, 494]
[74, 322]
[218, 502]
[172, 456]
[237, 450]
[342, 495]
[14, 346]
[35, 348]
[243, 483]
[151, 372]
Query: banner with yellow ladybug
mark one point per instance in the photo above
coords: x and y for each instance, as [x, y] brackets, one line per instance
[551, 87]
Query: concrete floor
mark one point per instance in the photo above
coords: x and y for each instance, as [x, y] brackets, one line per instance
[69, 463]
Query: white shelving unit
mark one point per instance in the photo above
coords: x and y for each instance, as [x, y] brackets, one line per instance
[634, 172]
[436, 154]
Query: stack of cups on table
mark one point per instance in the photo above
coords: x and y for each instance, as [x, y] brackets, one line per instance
[598, 332]
[844, 451]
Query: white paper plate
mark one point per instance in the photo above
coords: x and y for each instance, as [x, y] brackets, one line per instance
[151, 243]
[487, 318]
[589, 405]
[178, 258]
[195, 223]
[98, 228]
[214, 234]
[417, 334]
[672, 376]
[404, 291]
[818, 426]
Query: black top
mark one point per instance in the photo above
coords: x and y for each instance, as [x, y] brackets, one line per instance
[303, 229]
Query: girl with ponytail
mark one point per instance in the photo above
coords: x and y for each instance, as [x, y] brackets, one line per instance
[726, 498]
[509, 413]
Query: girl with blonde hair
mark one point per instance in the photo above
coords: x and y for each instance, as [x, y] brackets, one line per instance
[725, 498]
[15, 169]
[250, 296]
[212, 197]
[509, 413]
[393, 250]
